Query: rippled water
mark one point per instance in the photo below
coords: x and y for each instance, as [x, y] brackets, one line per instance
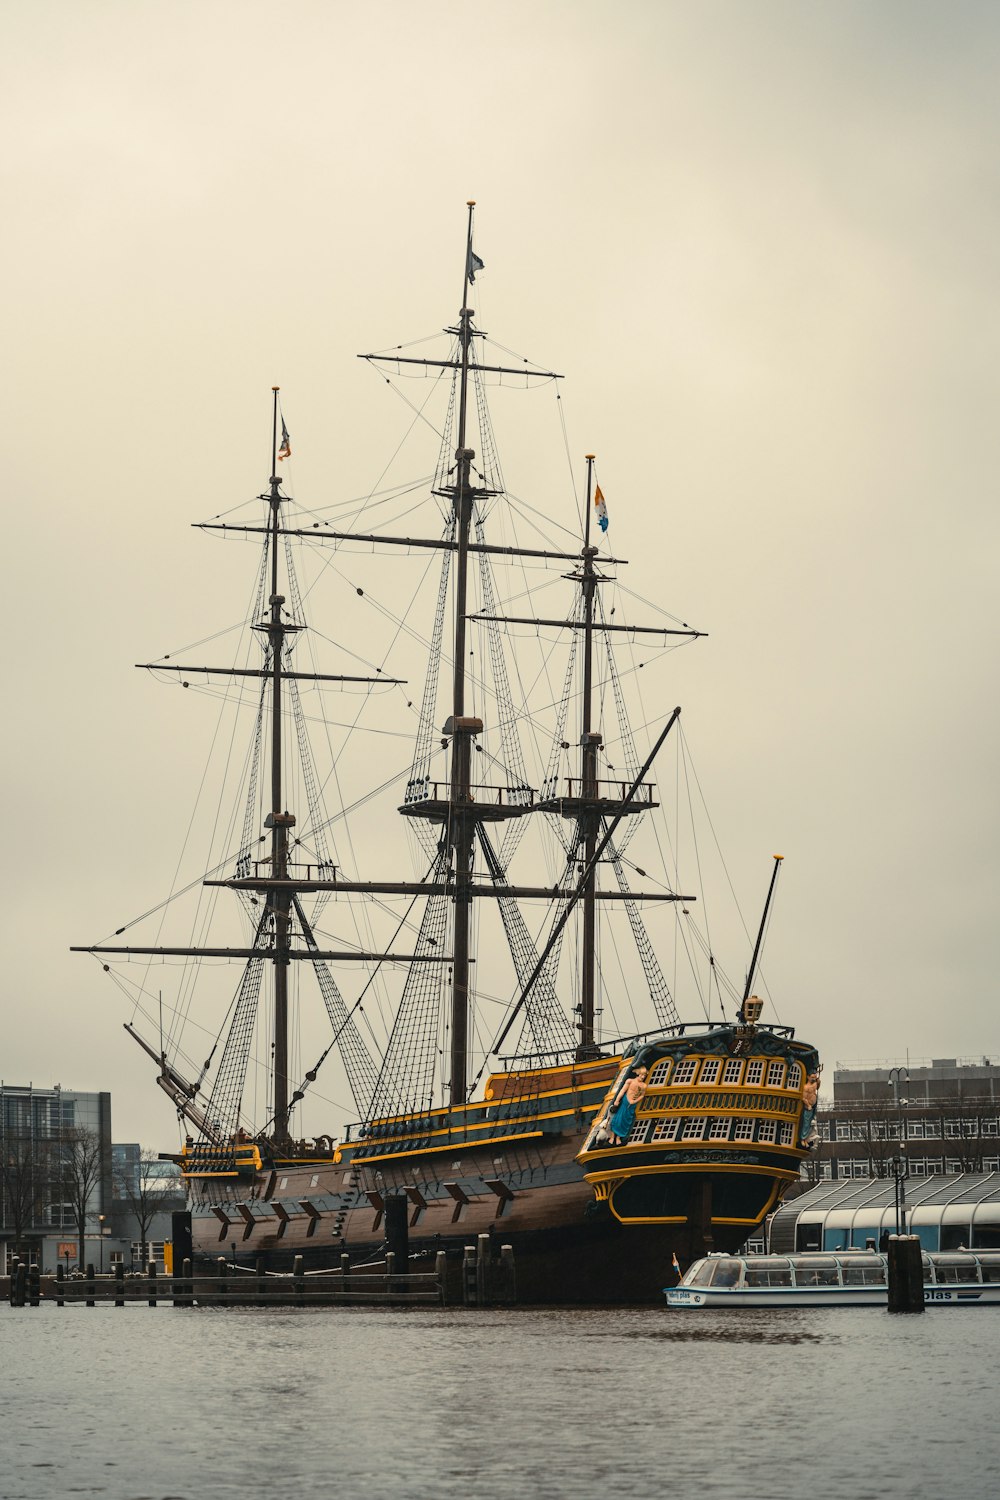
[758, 1405]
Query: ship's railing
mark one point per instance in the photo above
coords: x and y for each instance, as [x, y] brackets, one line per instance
[490, 796]
[607, 791]
[260, 869]
[624, 1045]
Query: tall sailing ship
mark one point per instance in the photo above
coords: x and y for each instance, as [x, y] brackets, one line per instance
[519, 1150]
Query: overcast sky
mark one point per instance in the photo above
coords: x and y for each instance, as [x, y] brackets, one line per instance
[759, 239]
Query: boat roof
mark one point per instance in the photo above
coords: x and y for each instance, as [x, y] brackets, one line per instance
[932, 1196]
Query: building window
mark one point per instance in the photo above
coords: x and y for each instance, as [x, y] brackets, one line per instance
[775, 1073]
[952, 1129]
[915, 1130]
[990, 1127]
[843, 1130]
[733, 1070]
[686, 1069]
[991, 1163]
[743, 1130]
[719, 1129]
[710, 1070]
[755, 1070]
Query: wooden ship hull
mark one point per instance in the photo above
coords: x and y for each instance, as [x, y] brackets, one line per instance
[708, 1158]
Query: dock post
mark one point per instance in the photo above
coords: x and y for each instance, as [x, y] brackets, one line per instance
[345, 1272]
[441, 1272]
[390, 1273]
[34, 1284]
[12, 1284]
[119, 1283]
[259, 1265]
[507, 1277]
[223, 1283]
[60, 1285]
[483, 1270]
[187, 1284]
[906, 1274]
[90, 1288]
[19, 1283]
[299, 1278]
[469, 1278]
[151, 1282]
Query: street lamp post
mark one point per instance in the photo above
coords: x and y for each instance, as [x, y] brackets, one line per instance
[896, 1077]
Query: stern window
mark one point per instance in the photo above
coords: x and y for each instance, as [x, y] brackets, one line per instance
[685, 1070]
[775, 1073]
[733, 1070]
[755, 1070]
[710, 1070]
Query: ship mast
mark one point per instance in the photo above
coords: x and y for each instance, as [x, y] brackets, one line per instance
[279, 820]
[460, 821]
[590, 740]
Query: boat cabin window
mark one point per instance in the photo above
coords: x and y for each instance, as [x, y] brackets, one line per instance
[816, 1272]
[702, 1274]
[727, 1273]
[863, 1270]
[955, 1268]
[769, 1272]
[989, 1265]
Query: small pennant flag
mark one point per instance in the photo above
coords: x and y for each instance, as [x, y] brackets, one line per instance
[601, 509]
[473, 264]
[285, 451]
[676, 1263]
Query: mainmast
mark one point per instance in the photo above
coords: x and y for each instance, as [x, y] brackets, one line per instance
[461, 827]
[279, 820]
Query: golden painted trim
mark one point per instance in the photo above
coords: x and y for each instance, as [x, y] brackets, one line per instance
[497, 1140]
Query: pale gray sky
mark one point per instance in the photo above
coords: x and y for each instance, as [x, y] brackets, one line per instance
[760, 239]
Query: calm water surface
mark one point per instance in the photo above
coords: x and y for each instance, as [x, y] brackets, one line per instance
[754, 1405]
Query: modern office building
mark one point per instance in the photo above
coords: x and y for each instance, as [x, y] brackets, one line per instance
[918, 1118]
[36, 1210]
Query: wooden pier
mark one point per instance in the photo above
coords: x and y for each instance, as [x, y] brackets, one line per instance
[478, 1280]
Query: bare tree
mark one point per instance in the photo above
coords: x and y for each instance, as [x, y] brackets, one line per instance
[80, 1167]
[141, 1184]
[24, 1177]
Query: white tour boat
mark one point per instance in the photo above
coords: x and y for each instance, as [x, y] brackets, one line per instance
[824, 1279]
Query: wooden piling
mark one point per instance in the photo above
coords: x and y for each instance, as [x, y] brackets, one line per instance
[441, 1272]
[261, 1283]
[299, 1278]
[90, 1287]
[469, 1278]
[906, 1274]
[223, 1278]
[506, 1277]
[34, 1285]
[20, 1291]
[483, 1270]
[60, 1285]
[119, 1283]
[187, 1284]
[151, 1283]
